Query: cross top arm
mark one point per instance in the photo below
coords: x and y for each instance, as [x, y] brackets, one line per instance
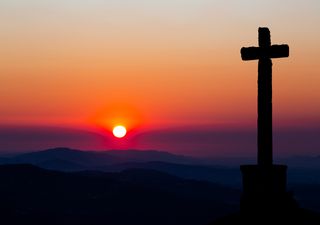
[273, 51]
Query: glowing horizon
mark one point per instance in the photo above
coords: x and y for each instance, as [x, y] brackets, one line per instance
[154, 64]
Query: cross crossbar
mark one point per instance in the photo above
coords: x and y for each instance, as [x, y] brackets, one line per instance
[273, 51]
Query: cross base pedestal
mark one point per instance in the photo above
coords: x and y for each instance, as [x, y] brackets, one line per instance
[265, 189]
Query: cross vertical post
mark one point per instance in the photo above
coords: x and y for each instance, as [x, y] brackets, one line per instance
[264, 102]
[264, 53]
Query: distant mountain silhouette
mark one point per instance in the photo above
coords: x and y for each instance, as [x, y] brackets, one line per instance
[101, 158]
[30, 195]
[84, 158]
[303, 169]
[97, 158]
[64, 159]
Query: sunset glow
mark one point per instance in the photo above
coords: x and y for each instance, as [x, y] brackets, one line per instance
[154, 65]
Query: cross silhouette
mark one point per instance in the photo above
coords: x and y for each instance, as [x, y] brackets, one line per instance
[264, 53]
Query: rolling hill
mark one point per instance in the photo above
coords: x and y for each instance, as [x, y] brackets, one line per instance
[31, 195]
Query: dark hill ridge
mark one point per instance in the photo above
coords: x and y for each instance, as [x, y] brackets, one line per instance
[61, 165]
[217, 174]
[31, 195]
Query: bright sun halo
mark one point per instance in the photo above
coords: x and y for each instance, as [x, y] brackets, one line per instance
[119, 131]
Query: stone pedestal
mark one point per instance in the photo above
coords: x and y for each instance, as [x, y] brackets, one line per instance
[266, 201]
[265, 189]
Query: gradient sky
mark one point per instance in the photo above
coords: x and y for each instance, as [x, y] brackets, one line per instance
[155, 65]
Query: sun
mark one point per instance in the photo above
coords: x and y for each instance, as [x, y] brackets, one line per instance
[119, 131]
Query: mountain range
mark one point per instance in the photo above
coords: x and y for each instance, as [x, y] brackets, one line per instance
[303, 178]
[69, 160]
[226, 171]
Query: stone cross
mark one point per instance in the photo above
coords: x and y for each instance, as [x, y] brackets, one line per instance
[264, 53]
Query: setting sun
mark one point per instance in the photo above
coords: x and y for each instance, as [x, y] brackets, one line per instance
[119, 131]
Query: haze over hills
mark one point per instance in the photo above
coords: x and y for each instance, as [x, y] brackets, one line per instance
[64, 159]
[97, 158]
[301, 169]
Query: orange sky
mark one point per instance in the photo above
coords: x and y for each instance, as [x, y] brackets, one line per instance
[154, 63]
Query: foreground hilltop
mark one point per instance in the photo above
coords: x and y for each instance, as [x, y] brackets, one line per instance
[31, 195]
